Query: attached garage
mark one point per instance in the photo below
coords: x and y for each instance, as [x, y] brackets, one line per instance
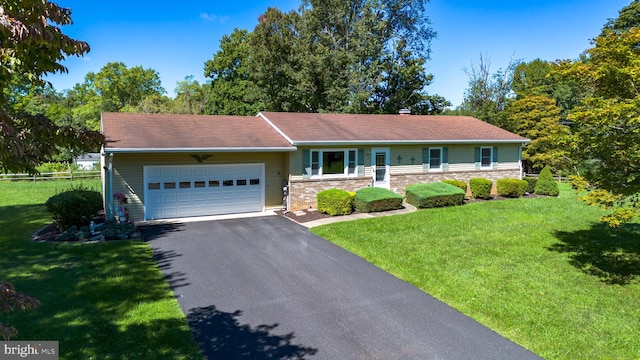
[171, 166]
[183, 191]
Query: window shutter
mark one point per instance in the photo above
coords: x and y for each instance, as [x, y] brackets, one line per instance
[360, 171]
[494, 159]
[478, 164]
[425, 159]
[445, 158]
[306, 164]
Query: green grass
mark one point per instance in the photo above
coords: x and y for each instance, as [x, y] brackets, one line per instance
[100, 301]
[542, 272]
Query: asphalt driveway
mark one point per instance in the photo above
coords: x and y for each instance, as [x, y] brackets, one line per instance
[267, 288]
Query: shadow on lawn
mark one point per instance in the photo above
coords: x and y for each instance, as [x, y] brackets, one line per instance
[98, 300]
[612, 255]
[221, 336]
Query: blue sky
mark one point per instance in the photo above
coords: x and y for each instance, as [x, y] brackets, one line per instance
[176, 38]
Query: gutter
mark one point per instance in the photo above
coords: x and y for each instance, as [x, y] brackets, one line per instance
[187, 150]
[406, 142]
[110, 214]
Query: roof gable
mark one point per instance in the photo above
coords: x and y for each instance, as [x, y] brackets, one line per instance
[308, 128]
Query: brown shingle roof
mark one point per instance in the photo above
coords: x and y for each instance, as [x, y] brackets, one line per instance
[168, 131]
[304, 128]
[171, 132]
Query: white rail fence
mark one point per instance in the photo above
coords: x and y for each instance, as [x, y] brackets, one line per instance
[69, 175]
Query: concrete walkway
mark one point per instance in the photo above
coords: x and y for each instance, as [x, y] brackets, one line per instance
[407, 208]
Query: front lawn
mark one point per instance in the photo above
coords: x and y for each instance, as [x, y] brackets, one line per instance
[541, 272]
[100, 301]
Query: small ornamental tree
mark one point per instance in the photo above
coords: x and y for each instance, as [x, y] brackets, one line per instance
[546, 185]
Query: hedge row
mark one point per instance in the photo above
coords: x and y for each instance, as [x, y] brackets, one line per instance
[429, 195]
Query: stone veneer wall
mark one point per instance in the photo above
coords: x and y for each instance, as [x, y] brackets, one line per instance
[400, 181]
[302, 193]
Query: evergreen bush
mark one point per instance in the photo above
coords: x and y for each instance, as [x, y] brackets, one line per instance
[335, 202]
[531, 181]
[458, 183]
[546, 185]
[511, 187]
[76, 206]
[480, 188]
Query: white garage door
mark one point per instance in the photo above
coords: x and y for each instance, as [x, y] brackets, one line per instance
[182, 191]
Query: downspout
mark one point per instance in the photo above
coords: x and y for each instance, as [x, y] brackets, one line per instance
[110, 214]
[520, 162]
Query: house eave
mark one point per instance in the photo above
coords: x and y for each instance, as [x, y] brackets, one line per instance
[406, 142]
[187, 150]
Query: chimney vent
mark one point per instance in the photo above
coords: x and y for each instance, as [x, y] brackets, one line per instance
[405, 111]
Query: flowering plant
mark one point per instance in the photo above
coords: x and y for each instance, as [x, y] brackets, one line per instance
[120, 198]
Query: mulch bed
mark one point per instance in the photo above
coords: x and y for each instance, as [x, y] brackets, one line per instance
[303, 216]
[50, 232]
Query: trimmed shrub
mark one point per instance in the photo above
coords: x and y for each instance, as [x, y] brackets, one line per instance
[76, 207]
[480, 188]
[511, 187]
[335, 202]
[458, 183]
[531, 181]
[372, 199]
[546, 185]
[432, 195]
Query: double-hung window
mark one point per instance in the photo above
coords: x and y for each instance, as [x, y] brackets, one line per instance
[333, 162]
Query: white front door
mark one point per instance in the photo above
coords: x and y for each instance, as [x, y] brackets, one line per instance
[380, 167]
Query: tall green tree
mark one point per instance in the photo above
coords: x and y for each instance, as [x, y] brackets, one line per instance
[233, 90]
[191, 97]
[364, 56]
[276, 62]
[488, 93]
[608, 123]
[114, 88]
[537, 118]
[628, 17]
[31, 46]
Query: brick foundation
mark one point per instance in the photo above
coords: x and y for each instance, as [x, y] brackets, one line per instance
[400, 181]
[302, 193]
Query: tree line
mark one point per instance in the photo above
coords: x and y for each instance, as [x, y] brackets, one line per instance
[582, 115]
